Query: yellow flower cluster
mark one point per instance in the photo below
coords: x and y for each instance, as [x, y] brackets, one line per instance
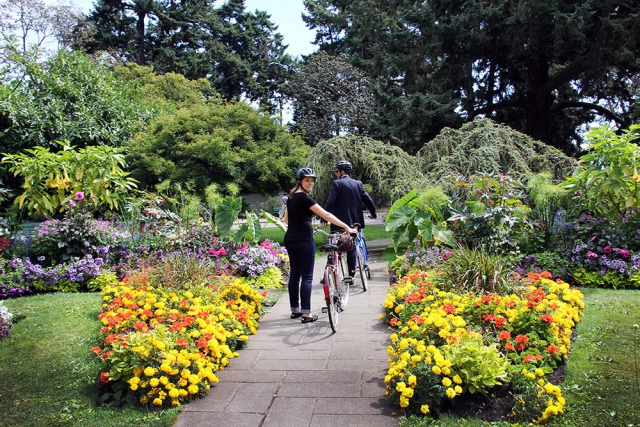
[168, 344]
[428, 321]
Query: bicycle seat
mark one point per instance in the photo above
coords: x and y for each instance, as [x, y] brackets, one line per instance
[328, 248]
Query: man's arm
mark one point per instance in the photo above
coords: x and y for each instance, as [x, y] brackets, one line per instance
[368, 202]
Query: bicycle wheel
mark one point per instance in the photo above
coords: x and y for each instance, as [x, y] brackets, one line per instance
[343, 286]
[366, 258]
[362, 266]
[331, 298]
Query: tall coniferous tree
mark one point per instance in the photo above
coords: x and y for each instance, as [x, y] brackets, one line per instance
[544, 68]
[239, 52]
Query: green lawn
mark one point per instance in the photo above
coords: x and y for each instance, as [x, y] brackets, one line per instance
[48, 376]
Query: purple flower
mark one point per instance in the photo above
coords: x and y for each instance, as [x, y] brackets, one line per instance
[79, 195]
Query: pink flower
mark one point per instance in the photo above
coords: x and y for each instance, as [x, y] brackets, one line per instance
[623, 253]
[220, 252]
[592, 255]
[607, 249]
[79, 195]
[72, 203]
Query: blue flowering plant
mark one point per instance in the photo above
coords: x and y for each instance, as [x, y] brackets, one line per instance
[419, 257]
[20, 276]
[248, 261]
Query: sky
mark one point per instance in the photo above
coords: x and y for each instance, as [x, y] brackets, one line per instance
[286, 14]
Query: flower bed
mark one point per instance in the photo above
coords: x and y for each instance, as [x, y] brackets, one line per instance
[448, 345]
[163, 346]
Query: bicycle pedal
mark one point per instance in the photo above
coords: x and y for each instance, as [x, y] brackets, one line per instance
[325, 309]
[348, 280]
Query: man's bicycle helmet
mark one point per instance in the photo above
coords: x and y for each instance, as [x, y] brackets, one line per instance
[343, 165]
[305, 172]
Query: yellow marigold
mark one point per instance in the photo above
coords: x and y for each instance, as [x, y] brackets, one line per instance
[412, 381]
[424, 409]
[458, 389]
[446, 381]
[193, 389]
[404, 402]
[451, 393]
[150, 371]
[157, 401]
[457, 379]
[154, 382]
[539, 372]
[194, 379]
[400, 386]
[446, 370]
[436, 369]
[134, 380]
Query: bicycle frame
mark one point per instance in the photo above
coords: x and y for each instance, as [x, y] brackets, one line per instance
[362, 257]
[336, 288]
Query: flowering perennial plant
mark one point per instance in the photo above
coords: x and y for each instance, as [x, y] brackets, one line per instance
[165, 345]
[418, 257]
[253, 262]
[5, 321]
[20, 276]
[447, 344]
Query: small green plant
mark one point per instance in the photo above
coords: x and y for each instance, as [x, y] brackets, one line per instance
[98, 283]
[480, 366]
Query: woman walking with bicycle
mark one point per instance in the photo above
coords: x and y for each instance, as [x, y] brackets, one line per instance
[298, 240]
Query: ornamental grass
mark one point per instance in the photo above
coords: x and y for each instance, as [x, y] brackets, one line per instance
[163, 346]
[448, 344]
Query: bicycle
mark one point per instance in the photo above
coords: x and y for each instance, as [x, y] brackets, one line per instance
[362, 256]
[336, 285]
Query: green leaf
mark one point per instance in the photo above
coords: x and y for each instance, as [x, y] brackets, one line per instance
[226, 213]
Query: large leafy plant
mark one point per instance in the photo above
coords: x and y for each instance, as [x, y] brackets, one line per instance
[51, 180]
[421, 215]
[607, 180]
[489, 211]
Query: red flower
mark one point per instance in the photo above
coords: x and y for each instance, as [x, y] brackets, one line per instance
[552, 349]
[96, 350]
[449, 308]
[547, 318]
[500, 321]
[181, 342]
[505, 335]
[509, 347]
[104, 377]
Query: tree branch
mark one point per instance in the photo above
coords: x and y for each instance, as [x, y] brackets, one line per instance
[587, 105]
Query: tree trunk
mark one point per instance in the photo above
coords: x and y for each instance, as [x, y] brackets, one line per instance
[539, 102]
[140, 37]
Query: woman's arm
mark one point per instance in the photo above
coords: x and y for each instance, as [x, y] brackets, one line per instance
[329, 217]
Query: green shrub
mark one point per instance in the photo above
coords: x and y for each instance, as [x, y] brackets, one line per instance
[475, 270]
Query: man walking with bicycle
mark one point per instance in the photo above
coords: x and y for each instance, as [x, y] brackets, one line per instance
[345, 201]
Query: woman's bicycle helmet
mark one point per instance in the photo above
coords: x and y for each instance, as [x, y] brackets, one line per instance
[343, 165]
[305, 172]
